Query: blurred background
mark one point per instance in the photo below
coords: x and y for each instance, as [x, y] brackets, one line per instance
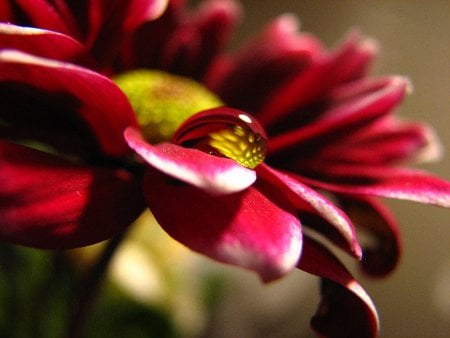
[156, 288]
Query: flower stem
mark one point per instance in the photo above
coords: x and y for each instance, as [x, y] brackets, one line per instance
[90, 287]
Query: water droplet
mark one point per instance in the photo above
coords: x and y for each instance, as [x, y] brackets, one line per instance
[225, 132]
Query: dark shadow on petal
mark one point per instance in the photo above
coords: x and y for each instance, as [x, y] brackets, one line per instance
[341, 314]
[382, 252]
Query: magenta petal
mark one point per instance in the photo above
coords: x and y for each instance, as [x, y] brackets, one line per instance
[340, 120]
[217, 175]
[382, 252]
[345, 310]
[39, 42]
[46, 202]
[90, 93]
[337, 227]
[196, 42]
[408, 184]
[343, 65]
[41, 13]
[387, 141]
[246, 228]
[280, 51]
[140, 11]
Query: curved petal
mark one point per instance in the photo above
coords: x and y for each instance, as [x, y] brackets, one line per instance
[110, 23]
[338, 121]
[383, 250]
[408, 184]
[246, 229]
[42, 14]
[265, 63]
[78, 91]
[46, 202]
[39, 42]
[216, 175]
[337, 227]
[345, 310]
[386, 141]
[196, 42]
[347, 63]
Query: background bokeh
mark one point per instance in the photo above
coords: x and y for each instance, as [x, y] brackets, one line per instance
[415, 300]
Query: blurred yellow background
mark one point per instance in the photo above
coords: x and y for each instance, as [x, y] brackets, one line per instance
[414, 37]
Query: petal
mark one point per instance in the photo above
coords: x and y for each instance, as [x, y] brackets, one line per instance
[312, 84]
[383, 250]
[387, 141]
[39, 42]
[336, 227]
[340, 120]
[246, 228]
[264, 64]
[345, 310]
[42, 14]
[217, 175]
[49, 203]
[181, 41]
[197, 41]
[140, 11]
[110, 22]
[77, 91]
[408, 184]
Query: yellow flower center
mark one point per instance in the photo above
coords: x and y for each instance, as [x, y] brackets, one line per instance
[163, 101]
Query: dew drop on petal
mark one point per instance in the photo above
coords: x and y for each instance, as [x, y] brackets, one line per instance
[225, 132]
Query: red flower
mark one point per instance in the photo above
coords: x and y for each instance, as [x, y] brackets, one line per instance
[69, 178]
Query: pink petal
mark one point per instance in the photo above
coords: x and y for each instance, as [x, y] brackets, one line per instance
[337, 226]
[345, 310]
[217, 175]
[409, 184]
[39, 42]
[253, 229]
[383, 250]
[49, 203]
[77, 91]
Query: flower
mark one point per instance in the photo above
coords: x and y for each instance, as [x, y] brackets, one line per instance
[241, 191]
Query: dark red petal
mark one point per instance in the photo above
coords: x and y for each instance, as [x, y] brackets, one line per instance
[312, 84]
[387, 141]
[383, 249]
[264, 64]
[335, 224]
[42, 14]
[345, 310]
[246, 229]
[89, 95]
[46, 202]
[111, 21]
[340, 120]
[39, 42]
[196, 41]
